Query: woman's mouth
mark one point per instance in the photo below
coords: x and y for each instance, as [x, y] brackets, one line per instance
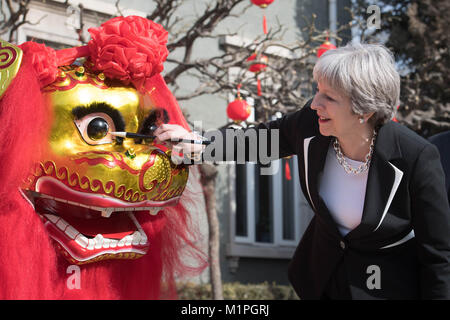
[323, 120]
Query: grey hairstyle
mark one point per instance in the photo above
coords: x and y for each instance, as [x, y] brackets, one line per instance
[366, 74]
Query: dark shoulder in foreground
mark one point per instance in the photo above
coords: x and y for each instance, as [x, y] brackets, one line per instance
[441, 139]
[397, 135]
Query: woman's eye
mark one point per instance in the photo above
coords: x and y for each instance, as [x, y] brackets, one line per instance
[97, 128]
[94, 128]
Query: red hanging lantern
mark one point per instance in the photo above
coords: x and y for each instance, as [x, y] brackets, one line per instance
[256, 66]
[238, 110]
[263, 4]
[324, 47]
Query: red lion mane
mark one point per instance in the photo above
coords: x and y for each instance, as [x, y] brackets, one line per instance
[30, 267]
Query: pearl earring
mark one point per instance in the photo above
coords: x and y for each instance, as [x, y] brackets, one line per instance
[361, 120]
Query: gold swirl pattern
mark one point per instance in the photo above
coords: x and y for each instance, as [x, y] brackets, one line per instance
[69, 78]
[106, 256]
[161, 191]
[120, 191]
[10, 59]
[7, 55]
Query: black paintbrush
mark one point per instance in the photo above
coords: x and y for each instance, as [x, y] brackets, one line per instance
[144, 136]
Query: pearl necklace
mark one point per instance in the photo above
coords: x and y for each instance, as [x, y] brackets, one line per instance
[348, 168]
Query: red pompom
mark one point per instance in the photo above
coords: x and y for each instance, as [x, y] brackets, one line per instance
[130, 49]
[43, 60]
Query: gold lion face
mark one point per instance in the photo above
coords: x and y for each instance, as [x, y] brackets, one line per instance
[89, 185]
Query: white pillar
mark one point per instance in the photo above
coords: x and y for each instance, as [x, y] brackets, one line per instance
[332, 18]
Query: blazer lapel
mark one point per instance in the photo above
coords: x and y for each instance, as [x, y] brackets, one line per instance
[315, 155]
[379, 185]
[382, 184]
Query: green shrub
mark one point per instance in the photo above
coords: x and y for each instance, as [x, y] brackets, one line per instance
[237, 291]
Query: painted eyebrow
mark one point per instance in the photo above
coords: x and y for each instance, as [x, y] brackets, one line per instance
[81, 111]
[157, 117]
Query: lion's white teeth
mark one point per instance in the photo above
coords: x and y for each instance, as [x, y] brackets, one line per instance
[121, 242]
[71, 232]
[106, 213]
[113, 243]
[98, 241]
[82, 241]
[136, 238]
[128, 240]
[106, 243]
[62, 224]
[143, 239]
[51, 217]
[91, 244]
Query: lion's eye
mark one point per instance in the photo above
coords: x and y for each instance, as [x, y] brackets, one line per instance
[94, 128]
[97, 128]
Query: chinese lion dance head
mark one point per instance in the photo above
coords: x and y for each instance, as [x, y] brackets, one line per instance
[74, 194]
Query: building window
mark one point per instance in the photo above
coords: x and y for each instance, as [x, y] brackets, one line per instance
[241, 201]
[263, 208]
[268, 207]
[269, 214]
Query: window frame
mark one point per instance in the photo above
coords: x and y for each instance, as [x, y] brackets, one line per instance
[247, 246]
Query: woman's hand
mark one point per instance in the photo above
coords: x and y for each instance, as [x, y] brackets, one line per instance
[167, 132]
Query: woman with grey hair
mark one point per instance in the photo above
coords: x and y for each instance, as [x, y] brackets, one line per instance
[381, 228]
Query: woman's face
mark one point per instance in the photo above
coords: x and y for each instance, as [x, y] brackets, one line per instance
[336, 117]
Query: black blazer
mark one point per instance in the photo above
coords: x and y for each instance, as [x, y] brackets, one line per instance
[405, 227]
[442, 142]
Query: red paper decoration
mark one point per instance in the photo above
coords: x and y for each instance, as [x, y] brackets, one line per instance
[327, 45]
[256, 66]
[262, 3]
[238, 110]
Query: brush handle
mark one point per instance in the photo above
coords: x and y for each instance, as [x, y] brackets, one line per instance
[144, 136]
[138, 135]
[205, 142]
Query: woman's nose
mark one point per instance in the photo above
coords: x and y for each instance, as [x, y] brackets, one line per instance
[316, 104]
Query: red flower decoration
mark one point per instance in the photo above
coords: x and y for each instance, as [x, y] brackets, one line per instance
[130, 49]
[43, 60]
